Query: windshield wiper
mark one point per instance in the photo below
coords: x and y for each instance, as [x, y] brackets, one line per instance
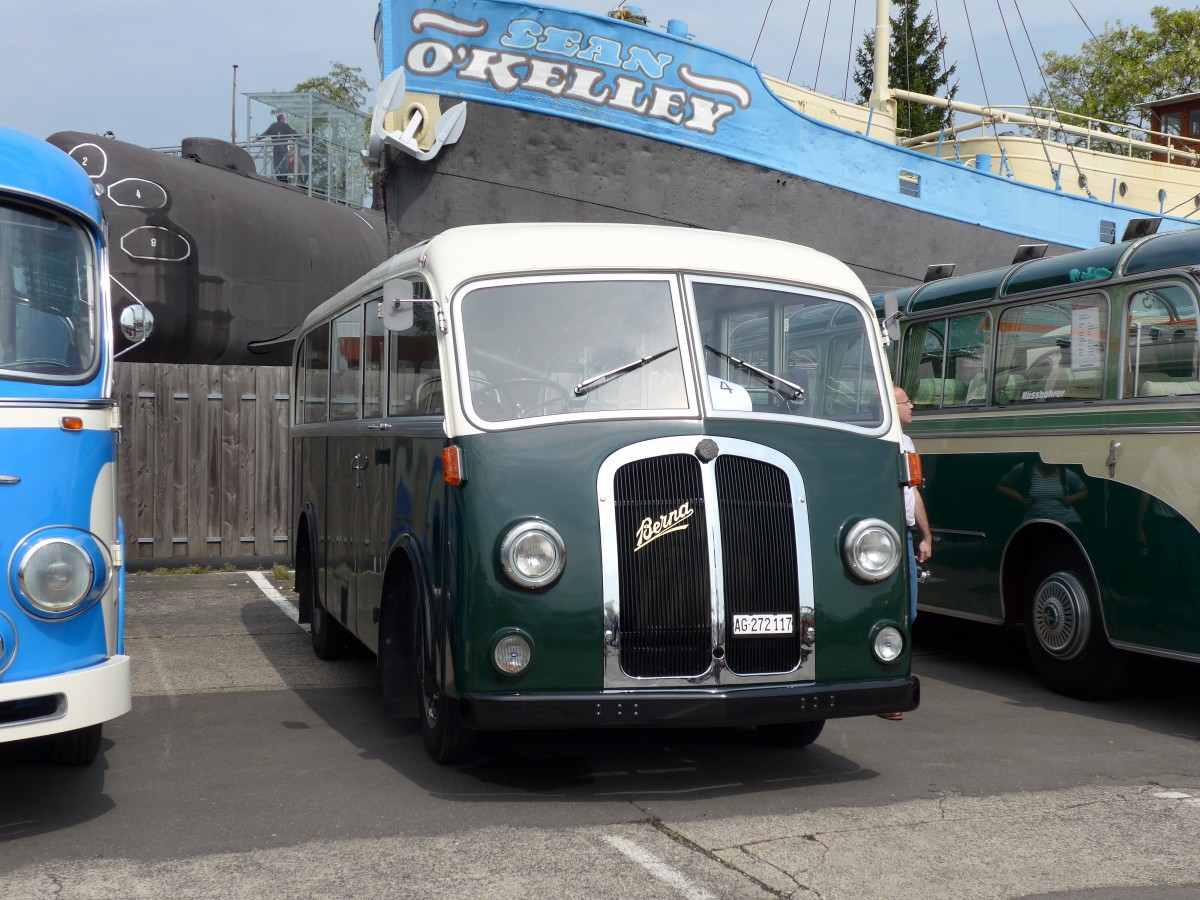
[797, 391]
[587, 384]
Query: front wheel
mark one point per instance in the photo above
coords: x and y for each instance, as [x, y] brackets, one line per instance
[791, 734]
[1065, 635]
[445, 737]
[77, 747]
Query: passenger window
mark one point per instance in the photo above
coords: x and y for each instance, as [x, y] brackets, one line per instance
[1052, 352]
[346, 366]
[314, 391]
[373, 361]
[946, 362]
[1160, 354]
[414, 373]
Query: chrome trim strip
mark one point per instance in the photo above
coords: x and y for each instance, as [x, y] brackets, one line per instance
[9, 479]
[956, 614]
[1154, 651]
[717, 673]
[46, 403]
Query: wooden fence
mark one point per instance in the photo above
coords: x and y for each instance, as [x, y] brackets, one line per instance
[203, 471]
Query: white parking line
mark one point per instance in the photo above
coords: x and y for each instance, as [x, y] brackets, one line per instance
[277, 598]
[657, 868]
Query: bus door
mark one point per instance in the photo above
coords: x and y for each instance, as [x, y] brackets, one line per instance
[348, 477]
[378, 478]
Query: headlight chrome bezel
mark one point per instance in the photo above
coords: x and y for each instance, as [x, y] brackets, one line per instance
[86, 552]
[510, 547]
[852, 544]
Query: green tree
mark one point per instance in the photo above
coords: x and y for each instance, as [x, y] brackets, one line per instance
[914, 63]
[1126, 65]
[343, 84]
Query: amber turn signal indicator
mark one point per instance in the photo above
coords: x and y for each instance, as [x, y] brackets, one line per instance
[914, 476]
[72, 423]
[452, 466]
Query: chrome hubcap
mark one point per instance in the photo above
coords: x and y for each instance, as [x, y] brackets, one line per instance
[1061, 615]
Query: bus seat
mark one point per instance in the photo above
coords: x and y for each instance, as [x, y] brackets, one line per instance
[1008, 390]
[928, 394]
[1168, 387]
[956, 392]
[1086, 384]
[977, 390]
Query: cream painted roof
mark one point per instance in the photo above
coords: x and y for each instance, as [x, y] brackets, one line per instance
[463, 254]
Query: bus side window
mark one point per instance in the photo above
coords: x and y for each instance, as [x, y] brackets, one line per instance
[314, 389]
[346, 365]
[414, 371]
[1161, 353]
[373, 362]
[1052, 352]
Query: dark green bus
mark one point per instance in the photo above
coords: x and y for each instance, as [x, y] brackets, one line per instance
[1057, 414]
[596, 476]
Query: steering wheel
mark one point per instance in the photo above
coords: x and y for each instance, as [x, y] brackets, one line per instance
[511, 387]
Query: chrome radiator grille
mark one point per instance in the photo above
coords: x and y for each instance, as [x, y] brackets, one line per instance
[758, 552]
[666, 619]
[666, 597]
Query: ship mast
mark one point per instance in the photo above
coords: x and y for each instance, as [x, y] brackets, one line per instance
[880, 95]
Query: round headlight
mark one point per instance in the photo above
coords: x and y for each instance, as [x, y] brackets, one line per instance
[872, 550]
[56, 575]
[888, 644]
[532, 554]
[512, 654]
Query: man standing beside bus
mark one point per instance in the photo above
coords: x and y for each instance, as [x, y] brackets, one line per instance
[914, 507]
[915, 519]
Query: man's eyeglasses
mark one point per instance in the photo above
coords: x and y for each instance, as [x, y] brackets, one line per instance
[905, 402]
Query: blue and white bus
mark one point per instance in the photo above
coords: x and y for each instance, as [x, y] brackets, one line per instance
[63, 670]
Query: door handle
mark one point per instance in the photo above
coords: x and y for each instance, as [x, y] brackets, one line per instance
[1111, 462]
[359, 462]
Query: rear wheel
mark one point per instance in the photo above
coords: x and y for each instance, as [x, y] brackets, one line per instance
[791, 734]
[446, 739]
[1065, 634]
[76, 748]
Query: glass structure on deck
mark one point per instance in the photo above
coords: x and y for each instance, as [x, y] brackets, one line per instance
[309, 141]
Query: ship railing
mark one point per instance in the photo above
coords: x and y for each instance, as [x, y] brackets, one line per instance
[1096, 133]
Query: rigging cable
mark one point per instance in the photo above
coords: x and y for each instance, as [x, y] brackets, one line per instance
[850, 50]
[799, 37]
[950, 108]
[821, 54]
[1053, 106]
[1082, 19]
[763, 28]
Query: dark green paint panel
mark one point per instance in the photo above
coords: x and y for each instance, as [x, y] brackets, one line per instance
[550, 473]
[1150, 591]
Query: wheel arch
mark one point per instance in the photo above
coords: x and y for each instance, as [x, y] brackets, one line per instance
[1024, 546]
[304, 561]
[404, 579]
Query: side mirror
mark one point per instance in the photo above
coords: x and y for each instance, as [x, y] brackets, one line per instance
[397, 307]
[891, 317]
[136, 323]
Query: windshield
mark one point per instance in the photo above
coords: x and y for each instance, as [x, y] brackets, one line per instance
[566, 347]
[777, 351]
[48, 314]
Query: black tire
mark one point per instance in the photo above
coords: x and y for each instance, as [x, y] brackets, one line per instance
[329, 639]
[791, 734]
[1065, 634]
[304, 582]
[76, 748]
[445, 737]
[398, 652]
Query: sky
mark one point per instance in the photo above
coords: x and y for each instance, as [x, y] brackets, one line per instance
[156, 71]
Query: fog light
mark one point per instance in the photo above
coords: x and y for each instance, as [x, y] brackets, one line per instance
[888, 644]
[512, 654]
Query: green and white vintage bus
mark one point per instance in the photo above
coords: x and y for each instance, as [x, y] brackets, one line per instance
[1057, 410]
[595, 476]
